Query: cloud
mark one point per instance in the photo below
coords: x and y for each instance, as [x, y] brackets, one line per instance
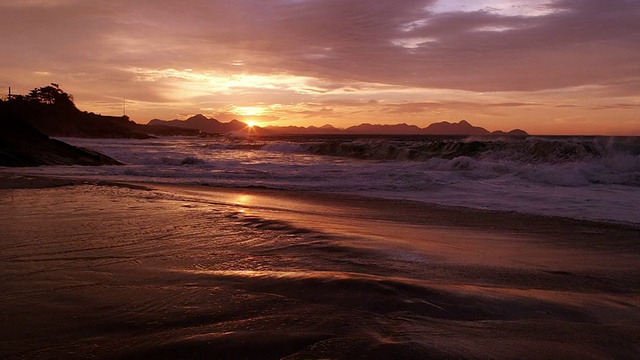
[573, 43]
[36, 3]
[201, 54]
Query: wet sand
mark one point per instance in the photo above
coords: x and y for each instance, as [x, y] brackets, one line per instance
[157, 271]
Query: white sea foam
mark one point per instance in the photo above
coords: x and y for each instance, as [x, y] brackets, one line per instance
[597, 179]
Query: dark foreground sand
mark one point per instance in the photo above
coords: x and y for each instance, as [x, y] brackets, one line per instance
[112, 271]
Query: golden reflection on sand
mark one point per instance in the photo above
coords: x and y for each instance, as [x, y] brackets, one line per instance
[105, 271]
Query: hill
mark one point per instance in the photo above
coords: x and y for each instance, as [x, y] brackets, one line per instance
[460, 128]
[27, 121]
[213, 126]
[441, 128]
[201, 123]
[515, 132]
[52, 111]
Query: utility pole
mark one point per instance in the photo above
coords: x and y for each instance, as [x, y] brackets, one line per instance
[124, 106]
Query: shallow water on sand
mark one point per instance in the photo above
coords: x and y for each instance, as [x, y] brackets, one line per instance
[577, 177]
[112, 272]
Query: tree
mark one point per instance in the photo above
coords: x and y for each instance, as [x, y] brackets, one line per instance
[51, 94]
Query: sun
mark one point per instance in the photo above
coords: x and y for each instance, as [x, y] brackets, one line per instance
[251, 124]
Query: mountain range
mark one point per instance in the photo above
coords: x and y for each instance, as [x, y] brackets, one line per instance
[28, 121]
[202, 123]
[213, 126]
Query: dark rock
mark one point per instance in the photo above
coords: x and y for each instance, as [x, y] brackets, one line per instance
[22, 145]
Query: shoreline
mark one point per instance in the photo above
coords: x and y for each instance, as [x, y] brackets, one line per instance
[142, 270]
[478, 217]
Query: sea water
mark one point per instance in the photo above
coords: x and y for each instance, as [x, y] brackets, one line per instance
[203, 272]
[113, 272]
[593, 178]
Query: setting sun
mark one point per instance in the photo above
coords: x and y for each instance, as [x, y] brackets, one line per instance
[320, 179]
[402, 65]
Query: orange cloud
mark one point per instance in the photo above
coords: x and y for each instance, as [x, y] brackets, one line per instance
[420, 60]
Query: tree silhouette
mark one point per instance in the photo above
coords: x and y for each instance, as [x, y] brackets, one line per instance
[51, 94]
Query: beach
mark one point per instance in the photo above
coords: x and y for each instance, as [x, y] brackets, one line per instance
[143, 270]
[295, 179]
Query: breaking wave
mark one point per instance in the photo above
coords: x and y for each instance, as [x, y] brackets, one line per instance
[625, 151]
[189, 160]
[580, 177]
[574, 161]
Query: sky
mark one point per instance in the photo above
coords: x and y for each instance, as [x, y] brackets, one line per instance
[545, 66]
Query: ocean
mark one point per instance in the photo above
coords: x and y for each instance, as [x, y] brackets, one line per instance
[593, 178]
[331, 247]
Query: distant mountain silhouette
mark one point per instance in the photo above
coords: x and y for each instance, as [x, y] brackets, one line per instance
[461, 128]
[213, 126]
[202, 123]
[442, 128]
[515, 132]
[27, 121]
[52, 112]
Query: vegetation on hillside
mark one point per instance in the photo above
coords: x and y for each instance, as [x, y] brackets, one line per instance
[51, 111]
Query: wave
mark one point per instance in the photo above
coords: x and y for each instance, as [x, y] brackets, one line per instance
[530, 150]
[284, 147]
[189, 160]
[575, 161]
[398, 150]
[594, 178]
